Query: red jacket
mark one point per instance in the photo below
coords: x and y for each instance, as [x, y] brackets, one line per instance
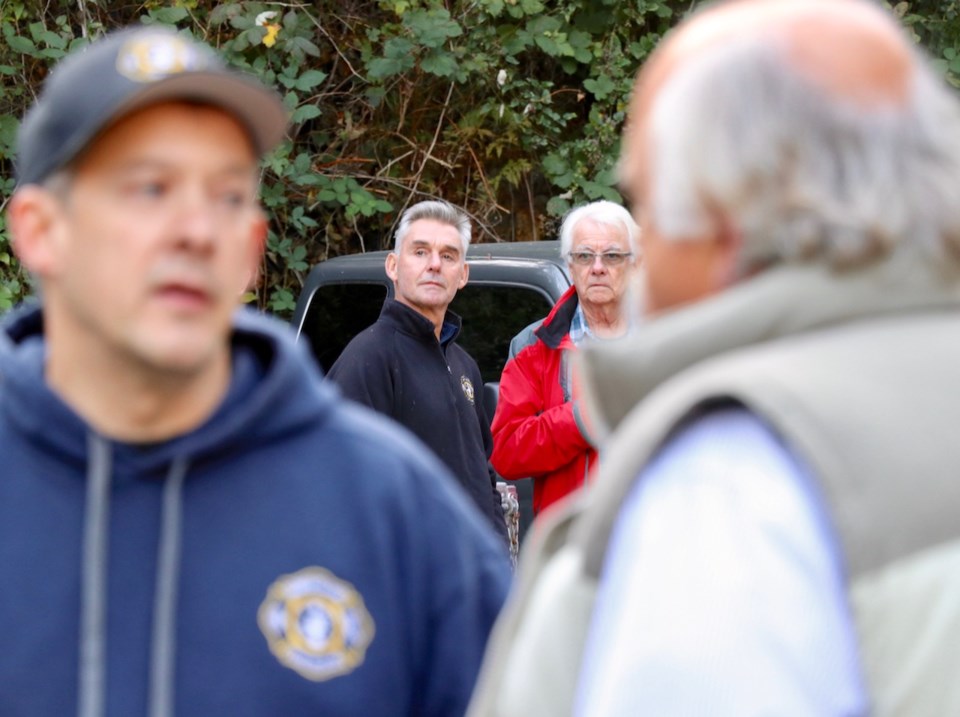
[537, 430]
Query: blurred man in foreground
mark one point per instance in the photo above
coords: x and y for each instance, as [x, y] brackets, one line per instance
[537, 430]
[775, 526]
[190, 523]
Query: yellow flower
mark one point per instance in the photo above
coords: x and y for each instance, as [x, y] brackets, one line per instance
[270, 38]
[273, 28]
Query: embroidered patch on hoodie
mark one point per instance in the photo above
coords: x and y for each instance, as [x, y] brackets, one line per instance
[316, 624]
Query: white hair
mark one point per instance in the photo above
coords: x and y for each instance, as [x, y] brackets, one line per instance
[439, 211]
[803, 173]
[602, 212]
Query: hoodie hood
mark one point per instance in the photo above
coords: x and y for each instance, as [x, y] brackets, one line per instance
[268, 396]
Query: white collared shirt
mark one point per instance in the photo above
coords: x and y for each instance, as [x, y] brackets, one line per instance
[722, 592]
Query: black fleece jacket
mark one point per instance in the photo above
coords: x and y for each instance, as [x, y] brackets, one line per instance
[397, 367]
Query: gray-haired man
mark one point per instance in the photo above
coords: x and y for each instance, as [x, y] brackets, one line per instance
[408, 366]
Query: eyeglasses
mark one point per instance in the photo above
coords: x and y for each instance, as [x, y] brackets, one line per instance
[609, 258]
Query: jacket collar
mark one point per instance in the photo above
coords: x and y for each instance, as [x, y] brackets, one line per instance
[557, 324]
[412, 322]
[780, 302]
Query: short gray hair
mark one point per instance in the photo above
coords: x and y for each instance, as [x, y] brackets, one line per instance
[804, 174]
[602, 212]
[439, 211]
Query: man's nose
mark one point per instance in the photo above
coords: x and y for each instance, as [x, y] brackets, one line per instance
[597, 266]
[197, 222]
[435, 260]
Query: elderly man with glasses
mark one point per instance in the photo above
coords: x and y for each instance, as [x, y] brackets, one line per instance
[537, 429]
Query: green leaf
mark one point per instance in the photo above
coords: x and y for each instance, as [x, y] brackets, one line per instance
[554, 164]
[169, 15]
[291, 100]
[375, 95]
[548, 45]
[516, 43]
[281, 300]
[301, 164]
[223, 12]
[398, 48]
[442, 65]
[600, 87]
[310, 79]
[432, 28]
[557, 206]
[305, 46]
[52, 39]
[23, 45]
[304, 113]
[595, 190]
[241, 21]
[398, 57]
[544, 24]
[493, 7]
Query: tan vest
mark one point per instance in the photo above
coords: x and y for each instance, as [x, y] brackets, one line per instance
[860, 374]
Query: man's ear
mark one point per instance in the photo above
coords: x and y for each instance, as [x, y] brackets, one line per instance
[390, 265]
[729, 244]
[37, 229]
[464, 275]
[255, 247]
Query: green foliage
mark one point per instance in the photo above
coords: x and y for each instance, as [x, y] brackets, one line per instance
[509, 108]
[936, 25]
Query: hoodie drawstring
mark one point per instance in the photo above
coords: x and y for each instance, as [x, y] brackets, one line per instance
[163, 652]
[93, 600]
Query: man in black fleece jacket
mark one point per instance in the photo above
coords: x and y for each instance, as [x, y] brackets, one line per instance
[408, 366]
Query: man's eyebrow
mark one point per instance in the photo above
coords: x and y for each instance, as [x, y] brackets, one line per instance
[454, 247]
[150, 164]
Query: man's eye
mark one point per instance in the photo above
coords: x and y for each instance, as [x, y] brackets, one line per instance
[233, 199]
[448, 257]
[150, 189]
[420, 252]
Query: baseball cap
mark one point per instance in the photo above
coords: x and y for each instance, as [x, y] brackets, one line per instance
[127, 70]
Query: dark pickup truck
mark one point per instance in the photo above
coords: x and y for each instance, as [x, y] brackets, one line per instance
[511, 285]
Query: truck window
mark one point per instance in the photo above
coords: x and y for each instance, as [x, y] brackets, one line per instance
[337, 313]
[492, 315]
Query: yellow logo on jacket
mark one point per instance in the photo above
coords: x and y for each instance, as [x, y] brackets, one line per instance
[316, 624]
[467, 385]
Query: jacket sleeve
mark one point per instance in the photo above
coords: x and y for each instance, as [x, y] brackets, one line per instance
[363, 374]
[529, 437]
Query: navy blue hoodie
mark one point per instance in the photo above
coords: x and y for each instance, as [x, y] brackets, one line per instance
[294, 555]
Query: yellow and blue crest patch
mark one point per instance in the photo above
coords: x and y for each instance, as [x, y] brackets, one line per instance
[467, 385]
[316, 624]
[150, 57]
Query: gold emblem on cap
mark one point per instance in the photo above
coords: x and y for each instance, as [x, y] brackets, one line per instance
[154, 56]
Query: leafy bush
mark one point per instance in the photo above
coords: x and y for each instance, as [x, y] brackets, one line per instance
[511, 109]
